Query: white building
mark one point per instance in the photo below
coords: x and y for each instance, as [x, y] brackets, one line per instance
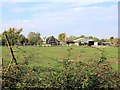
[85, 41]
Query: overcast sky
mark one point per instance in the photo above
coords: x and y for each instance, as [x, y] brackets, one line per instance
[74, 17]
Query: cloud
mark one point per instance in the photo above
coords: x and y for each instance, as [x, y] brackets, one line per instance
[86, 19]
[52, 19]
[30, 8]
[18, 0]
[80, 1]
[79, 13]
[19, 9]
[55, 6]
[60, 0]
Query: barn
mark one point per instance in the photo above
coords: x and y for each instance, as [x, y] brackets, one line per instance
[52, 41]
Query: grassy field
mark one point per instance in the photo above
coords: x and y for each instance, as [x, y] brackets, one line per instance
[49, 56]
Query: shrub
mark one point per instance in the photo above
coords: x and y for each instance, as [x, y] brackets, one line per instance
[69, 75]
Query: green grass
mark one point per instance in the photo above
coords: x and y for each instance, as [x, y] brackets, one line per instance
[48, 56]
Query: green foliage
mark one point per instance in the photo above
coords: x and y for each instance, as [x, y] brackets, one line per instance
[22, 40]
[39, 42]
[116, 42]
[90, 37]
[70, 38]
[95, 39]
[34, 38]
[62, 37]
[15, 37]
[97, 73]
[82, 36]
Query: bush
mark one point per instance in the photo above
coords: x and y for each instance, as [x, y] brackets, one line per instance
[69, 75]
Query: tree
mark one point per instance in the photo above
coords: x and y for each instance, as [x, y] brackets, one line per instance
[111, 38]
[13, 35]
[34, 38]
[22, 40]
[82, 36]
[62, 37]
[116, 42]
[90, 37]
[103, 40]
[70, 38]
[39, 42]
[31, 38]
[95, 39]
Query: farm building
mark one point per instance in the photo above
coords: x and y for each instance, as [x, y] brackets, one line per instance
[52, 41]
[62, 43]
[70, 43]
[84, 41]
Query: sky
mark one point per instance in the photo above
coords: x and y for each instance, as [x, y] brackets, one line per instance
[97, 18]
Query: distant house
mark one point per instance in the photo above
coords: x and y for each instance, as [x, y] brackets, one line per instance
[52, 41]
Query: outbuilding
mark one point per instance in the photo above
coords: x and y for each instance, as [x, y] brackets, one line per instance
[70, 43]
[84, 41]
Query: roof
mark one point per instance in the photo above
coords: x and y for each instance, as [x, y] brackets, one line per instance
[83, 40]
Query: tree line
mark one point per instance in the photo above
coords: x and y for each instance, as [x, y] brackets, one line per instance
[17, 38]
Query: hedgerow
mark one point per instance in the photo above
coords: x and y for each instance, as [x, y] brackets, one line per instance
[69, 75]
